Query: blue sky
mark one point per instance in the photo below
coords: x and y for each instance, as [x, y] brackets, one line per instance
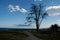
[13, 12]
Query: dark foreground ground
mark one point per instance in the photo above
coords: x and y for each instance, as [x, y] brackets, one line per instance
[22, 35]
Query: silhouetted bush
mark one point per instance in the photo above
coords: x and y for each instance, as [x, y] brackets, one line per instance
[54, 28]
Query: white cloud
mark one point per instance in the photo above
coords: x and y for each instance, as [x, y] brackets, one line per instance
[40, 0]
[37, 0]
[23, 10]
[11, 8]
[53, 10]
[16, 8]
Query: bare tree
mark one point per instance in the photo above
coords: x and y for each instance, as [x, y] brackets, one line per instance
[36, 14]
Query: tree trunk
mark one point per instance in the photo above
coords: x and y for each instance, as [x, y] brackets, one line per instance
[37, 25]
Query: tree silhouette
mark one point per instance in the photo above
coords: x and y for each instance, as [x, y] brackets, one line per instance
[36, 15]
[54, 28]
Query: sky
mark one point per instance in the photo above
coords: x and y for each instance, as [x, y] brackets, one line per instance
[14, 12]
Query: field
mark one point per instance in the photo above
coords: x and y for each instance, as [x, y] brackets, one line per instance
[26, 35]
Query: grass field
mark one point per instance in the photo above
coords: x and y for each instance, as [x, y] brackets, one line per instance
[47, 35]
[12, 35]
[20, 35]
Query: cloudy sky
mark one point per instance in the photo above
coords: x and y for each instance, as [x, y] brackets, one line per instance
[14, 12]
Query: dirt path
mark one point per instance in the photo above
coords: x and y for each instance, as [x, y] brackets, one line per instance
[31, 36]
